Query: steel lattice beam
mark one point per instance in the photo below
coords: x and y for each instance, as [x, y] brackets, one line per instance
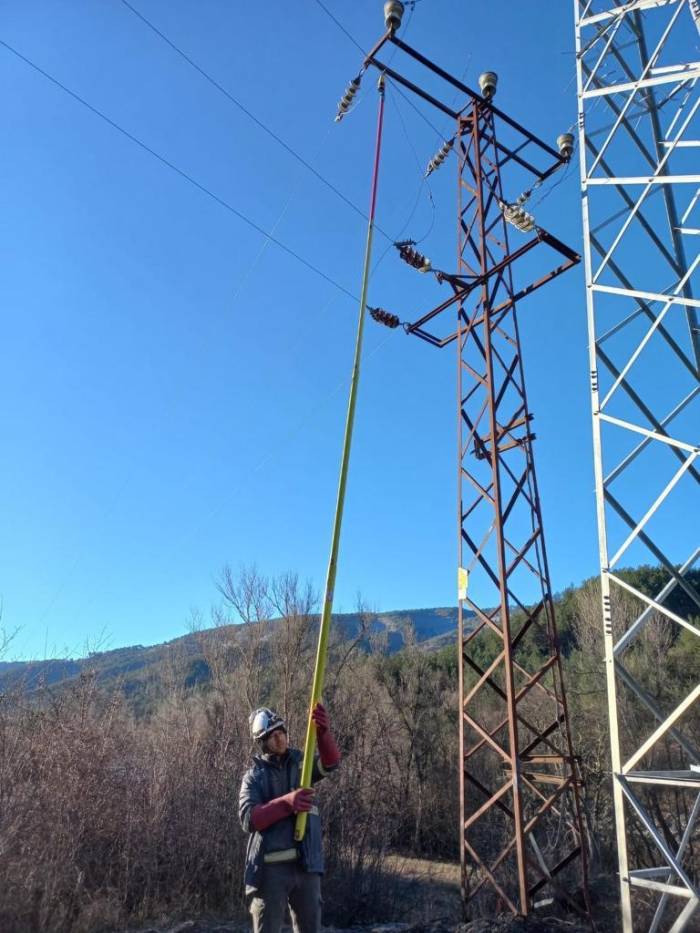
[524, 845]
[515, 721]
[639, 132]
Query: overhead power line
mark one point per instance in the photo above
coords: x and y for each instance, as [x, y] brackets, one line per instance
[341, 27]
[251, 116]
[310, 414]
[171, 165]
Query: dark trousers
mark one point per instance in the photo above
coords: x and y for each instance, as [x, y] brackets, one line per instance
[282, 884]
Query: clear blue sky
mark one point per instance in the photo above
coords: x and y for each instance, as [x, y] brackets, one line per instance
[167, 406]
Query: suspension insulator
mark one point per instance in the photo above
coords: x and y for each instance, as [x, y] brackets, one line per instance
[516, 215]
[347, 98]
[412, 256]
[439, 156]
[384, 317]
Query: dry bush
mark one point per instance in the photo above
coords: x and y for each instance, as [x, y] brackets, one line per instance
[114, 812]
[109, 818]
[104, 820]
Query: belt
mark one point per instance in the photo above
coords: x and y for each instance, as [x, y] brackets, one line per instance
[284, 855]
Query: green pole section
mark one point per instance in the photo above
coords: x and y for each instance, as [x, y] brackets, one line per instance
[322, 649]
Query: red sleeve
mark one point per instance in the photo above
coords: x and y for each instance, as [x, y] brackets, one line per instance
[265, 814]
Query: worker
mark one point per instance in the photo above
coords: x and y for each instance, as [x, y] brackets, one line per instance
[278, 870]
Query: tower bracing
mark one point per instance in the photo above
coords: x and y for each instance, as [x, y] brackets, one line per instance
[639, 133]
[522, 841]
[522, 827]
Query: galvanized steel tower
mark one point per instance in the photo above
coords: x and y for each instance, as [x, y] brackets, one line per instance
[637, 73]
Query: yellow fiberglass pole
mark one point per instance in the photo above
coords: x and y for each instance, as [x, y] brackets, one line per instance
[322, 649]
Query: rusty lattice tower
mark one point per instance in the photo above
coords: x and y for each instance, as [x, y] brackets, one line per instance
[521, 829]
[519, 770]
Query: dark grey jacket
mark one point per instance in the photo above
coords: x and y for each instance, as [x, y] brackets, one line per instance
[270, 777]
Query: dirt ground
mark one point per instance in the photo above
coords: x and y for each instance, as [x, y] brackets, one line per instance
[499, 925]
[496, 925]
[429, 890]
[428, 901]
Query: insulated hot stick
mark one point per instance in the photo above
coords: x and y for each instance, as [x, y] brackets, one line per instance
[322, 649]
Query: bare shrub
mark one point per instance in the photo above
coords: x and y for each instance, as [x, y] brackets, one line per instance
[118, 809]
[103, 820]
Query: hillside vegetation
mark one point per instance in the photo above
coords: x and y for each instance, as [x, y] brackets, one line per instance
[118, 787]
[140, 670]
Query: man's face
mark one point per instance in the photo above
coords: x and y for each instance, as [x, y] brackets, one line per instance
[276, 743]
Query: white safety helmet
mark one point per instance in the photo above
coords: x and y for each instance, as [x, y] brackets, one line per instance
[263, 722]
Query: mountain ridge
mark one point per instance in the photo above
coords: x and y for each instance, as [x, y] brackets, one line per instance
[430, 628]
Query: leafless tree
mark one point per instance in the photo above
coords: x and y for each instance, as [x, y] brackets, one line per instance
[291, 647]
[248, 595]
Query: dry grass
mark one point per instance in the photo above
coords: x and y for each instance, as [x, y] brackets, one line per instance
[430, 889]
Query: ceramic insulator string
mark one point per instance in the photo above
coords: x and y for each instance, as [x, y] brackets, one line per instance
[412, 256]
[439, 157]
[347, 98]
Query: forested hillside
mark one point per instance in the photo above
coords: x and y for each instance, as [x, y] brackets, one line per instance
[140, 669]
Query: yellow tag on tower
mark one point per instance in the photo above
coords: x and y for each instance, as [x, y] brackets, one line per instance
[462, 583]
